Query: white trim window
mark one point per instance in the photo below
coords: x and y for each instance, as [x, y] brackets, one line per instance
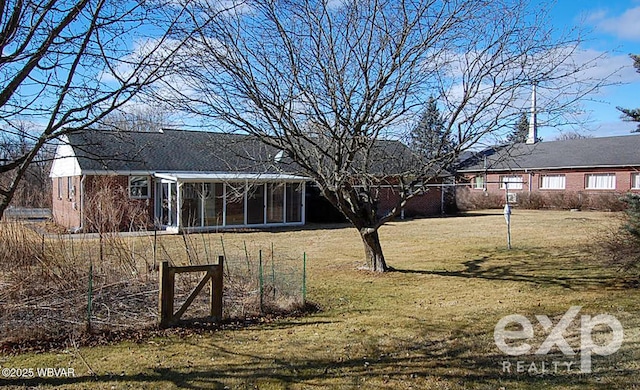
[70, 189]
[477, 183]
[514, 182]
[60, 188]
[600, 181]
[635, 181]
[553, 182]
[139, 187]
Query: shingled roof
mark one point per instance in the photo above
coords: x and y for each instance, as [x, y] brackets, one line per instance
[200, 151]
[170, 151]
[622, 151]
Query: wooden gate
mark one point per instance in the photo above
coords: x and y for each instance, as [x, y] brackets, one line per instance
[167, 288]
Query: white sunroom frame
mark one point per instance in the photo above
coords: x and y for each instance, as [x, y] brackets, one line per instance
[247, 179]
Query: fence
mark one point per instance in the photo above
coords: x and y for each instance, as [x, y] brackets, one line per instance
[27, 213]
[213, 273]
[55, 286]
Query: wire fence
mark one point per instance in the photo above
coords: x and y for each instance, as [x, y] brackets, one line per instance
[56, 286]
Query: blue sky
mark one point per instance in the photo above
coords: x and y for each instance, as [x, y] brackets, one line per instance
[612, 26]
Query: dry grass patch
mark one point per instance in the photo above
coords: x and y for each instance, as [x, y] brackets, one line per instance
[428, 325]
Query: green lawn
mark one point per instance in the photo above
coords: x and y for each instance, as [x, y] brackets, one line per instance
[430, 324]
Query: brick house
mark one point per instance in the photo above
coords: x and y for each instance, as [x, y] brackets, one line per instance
[580, 173]
[187, 180]
[174, 180]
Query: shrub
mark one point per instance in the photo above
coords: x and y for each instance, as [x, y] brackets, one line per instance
[606, 202]
[533, 200]
[107, 212]
[468, 200]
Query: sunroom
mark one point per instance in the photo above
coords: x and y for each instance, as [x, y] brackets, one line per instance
[205, 201]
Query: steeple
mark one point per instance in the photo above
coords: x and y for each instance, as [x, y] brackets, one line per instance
[532, 138]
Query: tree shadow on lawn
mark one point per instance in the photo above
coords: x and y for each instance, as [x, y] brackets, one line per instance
[536, 267]
[451, 361]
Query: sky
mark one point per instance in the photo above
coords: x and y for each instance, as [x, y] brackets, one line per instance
[613, 27]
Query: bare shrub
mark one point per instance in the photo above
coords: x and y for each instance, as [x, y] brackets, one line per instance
[563, 200]
[472, 200]
[106, 212]
[44, 281]
[606, 202]
[18, 246]
[532, 200]
[45, 285]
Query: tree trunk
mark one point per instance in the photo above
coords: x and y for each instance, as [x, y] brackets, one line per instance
[373, 250]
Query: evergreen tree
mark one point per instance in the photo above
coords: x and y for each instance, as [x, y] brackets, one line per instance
[632, 217]
[622, 247]
[520, 132]
[633, 114]
[430, 138]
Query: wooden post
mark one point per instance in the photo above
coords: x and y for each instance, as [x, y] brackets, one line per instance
[165, 298]
[216, 291]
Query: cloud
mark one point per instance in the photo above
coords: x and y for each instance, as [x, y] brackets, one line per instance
[614, 68]
[625, 26]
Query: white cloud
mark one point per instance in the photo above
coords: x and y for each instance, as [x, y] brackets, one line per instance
[626, 25]
[615, 68]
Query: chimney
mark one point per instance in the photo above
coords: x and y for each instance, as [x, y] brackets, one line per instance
[532, 138]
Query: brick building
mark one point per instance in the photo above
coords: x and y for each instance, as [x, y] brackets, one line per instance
[191, 180]
[580, 173]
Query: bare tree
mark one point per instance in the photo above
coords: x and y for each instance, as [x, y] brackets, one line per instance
[35, 188]
[143, 119]
[66, 64]
[571, 135]
[334, 83]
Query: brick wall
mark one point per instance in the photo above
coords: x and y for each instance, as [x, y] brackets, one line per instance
[65, 205]
[126, 211]
[67, 211]
[574, 195]
[426, 204]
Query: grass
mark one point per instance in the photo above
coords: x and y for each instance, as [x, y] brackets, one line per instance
[428, 325]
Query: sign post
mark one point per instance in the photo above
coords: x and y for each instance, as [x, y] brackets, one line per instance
[507, 218]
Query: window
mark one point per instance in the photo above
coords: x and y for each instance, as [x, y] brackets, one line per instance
[601, 181]
[512, 182]
[255, 204]
[478, 183]
[294, 202]
[213, 198]
[235, 194]
[635, 181]
[275, 202]
[70, 191]
[59, 188]
[191, 204]
[552, 182]
[139, 187]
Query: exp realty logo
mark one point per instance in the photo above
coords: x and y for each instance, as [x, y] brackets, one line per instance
[507, 341]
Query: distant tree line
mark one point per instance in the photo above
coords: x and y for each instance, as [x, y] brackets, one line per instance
[34, 190]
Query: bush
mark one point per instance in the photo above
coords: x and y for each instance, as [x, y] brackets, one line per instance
[471, 200]
[606, 202]
[533, 201]
[563, 200]
[106, 212]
